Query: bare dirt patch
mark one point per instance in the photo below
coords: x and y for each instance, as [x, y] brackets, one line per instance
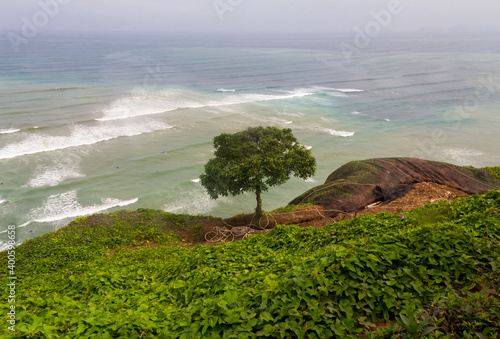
[419, 195]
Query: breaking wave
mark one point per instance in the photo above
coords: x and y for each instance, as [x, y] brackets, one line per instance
[79, 135]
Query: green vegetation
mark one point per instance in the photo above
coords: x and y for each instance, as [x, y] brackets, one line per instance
[290, 208]
[158, 217]
[494, 171]
[88, 238]
[431, 272]
[254, 160]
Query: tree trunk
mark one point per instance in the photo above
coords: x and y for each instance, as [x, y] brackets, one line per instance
[258, 210]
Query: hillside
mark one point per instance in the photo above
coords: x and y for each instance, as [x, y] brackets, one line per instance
[358, 184]
[429, 272]
[432, 270]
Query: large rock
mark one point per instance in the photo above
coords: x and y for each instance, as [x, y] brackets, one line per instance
[361, 183]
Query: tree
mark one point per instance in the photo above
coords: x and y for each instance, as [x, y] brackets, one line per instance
[254, 160]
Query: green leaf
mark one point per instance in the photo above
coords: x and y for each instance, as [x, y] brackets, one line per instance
[405, 320]
[230, 297]
[266, 316]
[266, 331]
[222, 304]
[389, 301]
[413, 328]
[338, 329]
[345, 306]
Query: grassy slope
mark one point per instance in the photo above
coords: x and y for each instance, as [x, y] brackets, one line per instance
[428, 270]
[494, 171]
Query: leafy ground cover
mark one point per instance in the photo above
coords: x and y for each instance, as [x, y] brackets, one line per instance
[494, 171]
[431, 272]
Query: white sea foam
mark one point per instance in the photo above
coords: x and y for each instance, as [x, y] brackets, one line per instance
[336, 133]
[277, 120]
[65, 205]
[464, 157]
[9, 130]
[356, 113]
[337, 94]
[197, 202]
[341, 90]
[175, 99]
[53, 176]
[311, 180]
[2, 201]
[226, 90]
[297, 115]
[4, 245]
[348, 90]
[196, 180]
[145, 105]
[79, 136]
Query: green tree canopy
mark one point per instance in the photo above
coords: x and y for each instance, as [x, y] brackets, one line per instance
[254, 160]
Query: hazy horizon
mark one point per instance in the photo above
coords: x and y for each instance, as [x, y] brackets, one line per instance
[242, 16]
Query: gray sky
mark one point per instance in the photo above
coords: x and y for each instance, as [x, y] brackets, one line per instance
[247, 15]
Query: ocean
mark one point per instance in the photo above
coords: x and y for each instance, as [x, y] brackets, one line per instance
[98, 123]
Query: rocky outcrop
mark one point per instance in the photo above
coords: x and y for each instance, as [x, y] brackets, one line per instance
[358, 184]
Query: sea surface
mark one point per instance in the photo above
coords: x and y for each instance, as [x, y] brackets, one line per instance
[97, 123]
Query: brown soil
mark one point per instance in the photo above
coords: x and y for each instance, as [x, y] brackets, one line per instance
[314, 216]
[419, 195]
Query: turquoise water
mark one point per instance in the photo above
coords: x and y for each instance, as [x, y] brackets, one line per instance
[100, 123]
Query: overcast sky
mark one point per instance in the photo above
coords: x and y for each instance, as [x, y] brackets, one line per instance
[247, 15]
